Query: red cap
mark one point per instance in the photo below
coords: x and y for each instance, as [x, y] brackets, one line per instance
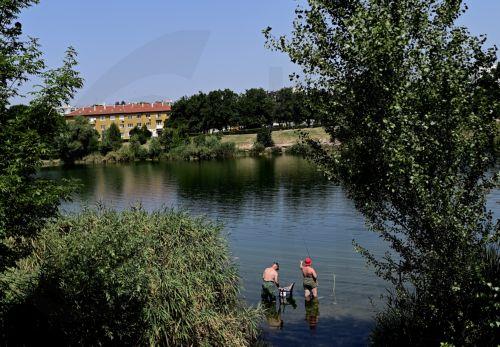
[308, 261]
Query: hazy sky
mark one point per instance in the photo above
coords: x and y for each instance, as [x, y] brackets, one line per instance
[200, 45]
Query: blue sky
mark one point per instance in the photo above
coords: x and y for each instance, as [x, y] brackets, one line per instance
[231, 53]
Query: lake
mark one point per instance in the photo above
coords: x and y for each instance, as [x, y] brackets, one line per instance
[274, 209]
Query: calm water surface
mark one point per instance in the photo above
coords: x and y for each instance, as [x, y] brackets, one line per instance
[273, 209]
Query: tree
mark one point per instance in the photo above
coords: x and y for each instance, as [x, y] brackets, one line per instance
[264, 137]
[409, 100]
[78, 139]
[26, 200]
[219, 109]
[256, 108]
[285, 106]
[111, 139]
[143, 133]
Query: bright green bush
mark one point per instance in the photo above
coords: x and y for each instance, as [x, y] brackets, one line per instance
[126, 278]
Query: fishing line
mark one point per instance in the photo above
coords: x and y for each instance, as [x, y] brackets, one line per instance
[305, 244]
[334, 296]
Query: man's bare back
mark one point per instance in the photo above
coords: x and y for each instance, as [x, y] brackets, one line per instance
[270, 274]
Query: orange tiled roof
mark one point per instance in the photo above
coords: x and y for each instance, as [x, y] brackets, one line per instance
[122, 109]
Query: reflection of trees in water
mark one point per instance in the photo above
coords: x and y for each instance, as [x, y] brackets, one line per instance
[253, 182]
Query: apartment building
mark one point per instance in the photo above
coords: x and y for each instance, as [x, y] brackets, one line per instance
[126, 116]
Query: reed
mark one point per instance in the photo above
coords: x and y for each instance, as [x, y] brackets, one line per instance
[133, 278]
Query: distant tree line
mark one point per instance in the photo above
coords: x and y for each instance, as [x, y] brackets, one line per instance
[226, 110]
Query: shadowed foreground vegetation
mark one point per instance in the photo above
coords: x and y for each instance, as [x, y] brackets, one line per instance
[102, 277]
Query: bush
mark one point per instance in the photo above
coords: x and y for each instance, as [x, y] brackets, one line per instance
[123, 155]
[136, 150]
[203, 147]
[257, 149]
[126, 278]
[299, 149]
[264, 137]
[93, 158]
[154, 150]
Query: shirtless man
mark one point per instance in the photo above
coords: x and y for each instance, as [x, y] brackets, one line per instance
[270, 282]
[310, 278]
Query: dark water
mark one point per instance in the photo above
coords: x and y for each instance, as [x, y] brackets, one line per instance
[273, 209]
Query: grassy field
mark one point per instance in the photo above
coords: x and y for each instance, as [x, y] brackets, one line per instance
[281, 138]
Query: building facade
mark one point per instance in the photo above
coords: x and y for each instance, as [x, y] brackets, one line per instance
[126, 117]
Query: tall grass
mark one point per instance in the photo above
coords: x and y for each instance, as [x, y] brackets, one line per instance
[133, 278]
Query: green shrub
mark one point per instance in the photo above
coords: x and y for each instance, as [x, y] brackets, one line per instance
[264, 137]
[123, 155]
[126, 278]
[154, 148]
[203, 147]
[93, 158]
[257, 149]
[299, 149]
[136, 150]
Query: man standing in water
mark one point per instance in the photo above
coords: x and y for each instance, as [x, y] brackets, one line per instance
[310, 278]
[270, 282]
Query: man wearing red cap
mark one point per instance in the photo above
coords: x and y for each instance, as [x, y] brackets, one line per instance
[310, 278]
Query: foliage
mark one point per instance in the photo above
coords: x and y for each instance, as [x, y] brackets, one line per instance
[143, 134]
[225, 110]
[257, 149]
[135, 148]
[204, 147]
[410, 98]
[256, 108]
[111, 139]
[154, 149]
[300, 149]
[126, 278]
[26, 132]
[78, 139]
[174, 137]
[264, 137]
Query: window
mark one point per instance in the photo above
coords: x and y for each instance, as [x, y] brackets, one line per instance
[122, 117]
[122, 125]
[130, 116]
[138, 116]
[92, 119]
[139, 125]
[149, 125]
[130, 125]
[103, 117]
[149, 116]
[159, 122]
[112, 117]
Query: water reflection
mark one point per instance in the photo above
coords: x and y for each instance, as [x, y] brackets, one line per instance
[312, 312]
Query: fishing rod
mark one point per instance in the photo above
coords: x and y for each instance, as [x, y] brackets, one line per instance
[305, 244]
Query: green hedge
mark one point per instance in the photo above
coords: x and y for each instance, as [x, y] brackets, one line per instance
[133, 278]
